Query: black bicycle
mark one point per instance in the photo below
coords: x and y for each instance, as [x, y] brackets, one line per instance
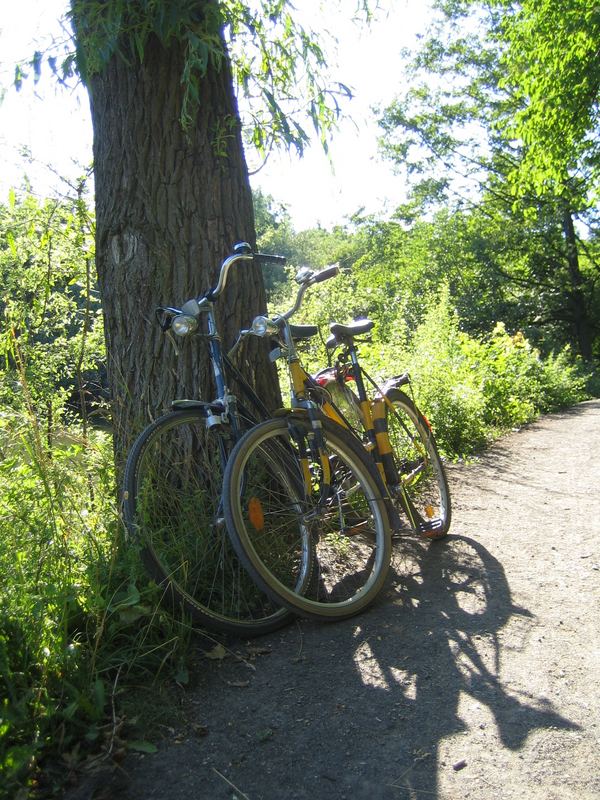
[174, 478]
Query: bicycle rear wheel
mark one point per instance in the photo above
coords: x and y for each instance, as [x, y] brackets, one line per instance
[423, 492]
[172, 505]
[324, 557]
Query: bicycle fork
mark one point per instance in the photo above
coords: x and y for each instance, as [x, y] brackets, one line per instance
[316, 443]
[375, 420]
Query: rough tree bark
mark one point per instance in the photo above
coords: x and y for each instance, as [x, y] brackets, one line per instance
[169, 206]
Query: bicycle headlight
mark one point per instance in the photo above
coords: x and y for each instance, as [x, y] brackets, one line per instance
[183, 324]
[260, 326]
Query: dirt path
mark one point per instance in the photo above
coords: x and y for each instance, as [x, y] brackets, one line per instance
[476, 675]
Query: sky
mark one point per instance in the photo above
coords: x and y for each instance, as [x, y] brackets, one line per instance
[54, 124]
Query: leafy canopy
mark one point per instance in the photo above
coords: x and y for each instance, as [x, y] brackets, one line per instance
[551, 61]
[278, 61]
[508, 89]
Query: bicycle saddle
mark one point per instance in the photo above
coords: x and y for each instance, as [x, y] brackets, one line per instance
[303, 331]
[341, 333]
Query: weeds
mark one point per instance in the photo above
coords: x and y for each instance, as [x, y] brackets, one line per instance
[80, 623]
[475, 389]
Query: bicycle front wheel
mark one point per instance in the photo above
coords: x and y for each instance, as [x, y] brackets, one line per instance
[423, 492]
[322, 553]
[172, 505]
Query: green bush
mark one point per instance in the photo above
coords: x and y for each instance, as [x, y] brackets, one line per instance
[444, 379]
[472, 389]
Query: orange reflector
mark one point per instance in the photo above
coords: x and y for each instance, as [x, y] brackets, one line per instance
[430, 511]
[255, 514]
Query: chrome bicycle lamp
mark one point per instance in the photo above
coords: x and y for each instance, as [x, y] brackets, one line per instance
[261, 326]
[184, 324]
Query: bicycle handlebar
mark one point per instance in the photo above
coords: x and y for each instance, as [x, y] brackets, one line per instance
[193, 307]
[213, 293]
[267, 258]
[308, 279]
[244, 254]
[262, 325]
[325, 274]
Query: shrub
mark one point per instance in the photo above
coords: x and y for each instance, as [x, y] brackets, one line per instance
[472, 389]
[446, 384]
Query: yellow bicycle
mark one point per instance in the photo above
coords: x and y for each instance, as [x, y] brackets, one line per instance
[359, 468]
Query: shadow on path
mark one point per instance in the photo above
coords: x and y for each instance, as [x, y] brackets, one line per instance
[360, 709]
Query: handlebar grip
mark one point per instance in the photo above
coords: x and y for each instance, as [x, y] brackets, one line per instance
[325, 274]
[265, 258]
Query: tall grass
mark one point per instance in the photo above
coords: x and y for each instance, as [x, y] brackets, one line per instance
[79, 622]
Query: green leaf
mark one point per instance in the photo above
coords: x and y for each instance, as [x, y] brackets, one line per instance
[142, 747]
[10, 238]
[218, 653]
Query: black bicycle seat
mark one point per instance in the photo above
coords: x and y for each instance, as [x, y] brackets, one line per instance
[303, 331]
[356, 328]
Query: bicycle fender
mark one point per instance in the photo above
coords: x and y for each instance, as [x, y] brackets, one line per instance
[396, 382]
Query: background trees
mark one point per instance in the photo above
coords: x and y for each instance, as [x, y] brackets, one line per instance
[473, 131]
[551, 67]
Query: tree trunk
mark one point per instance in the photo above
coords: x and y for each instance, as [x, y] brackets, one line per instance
[582, 328]
[169, 206]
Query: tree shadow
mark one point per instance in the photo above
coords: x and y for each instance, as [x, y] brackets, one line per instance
[447, 606]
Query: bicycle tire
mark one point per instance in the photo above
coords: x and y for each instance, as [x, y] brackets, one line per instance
[173, 481]
[423, 482]
[349, 532]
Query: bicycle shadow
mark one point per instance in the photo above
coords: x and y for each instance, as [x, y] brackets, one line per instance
[369, 708]
[432, 643]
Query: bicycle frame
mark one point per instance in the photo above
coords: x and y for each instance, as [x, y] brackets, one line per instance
[372, 411]
[372, 414]
[223, 409]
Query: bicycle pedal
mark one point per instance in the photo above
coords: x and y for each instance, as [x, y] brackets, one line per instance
[359, 533]
[356, 528]
[400, 533]
[431, 528]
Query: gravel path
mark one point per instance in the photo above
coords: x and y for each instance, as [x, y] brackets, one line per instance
[476, 675]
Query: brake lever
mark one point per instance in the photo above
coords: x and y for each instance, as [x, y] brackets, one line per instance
[241, 336]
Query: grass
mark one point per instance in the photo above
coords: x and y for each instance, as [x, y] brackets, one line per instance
[79, 621]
